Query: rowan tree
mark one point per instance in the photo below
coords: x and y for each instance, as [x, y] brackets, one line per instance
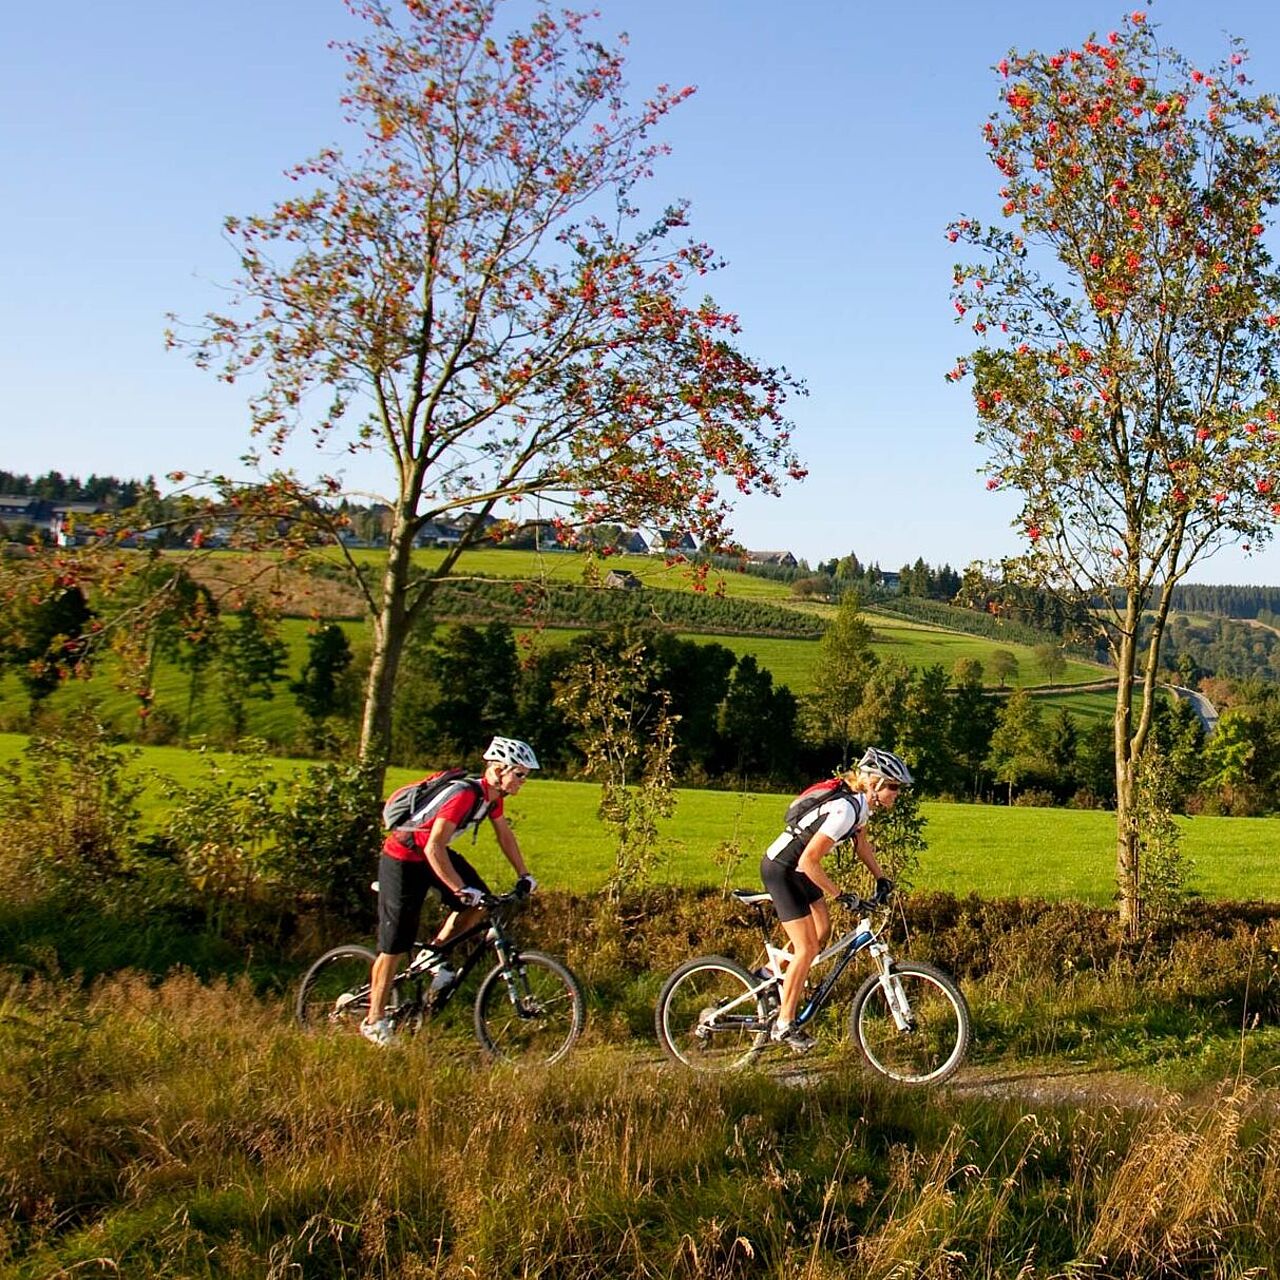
[476, 299]
[1126, 306]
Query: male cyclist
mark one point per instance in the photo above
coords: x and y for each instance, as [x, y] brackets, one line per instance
[793, 874]
[414, 861]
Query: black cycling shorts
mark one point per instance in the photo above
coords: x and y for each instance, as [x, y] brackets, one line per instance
[792, 891]
[402, 889]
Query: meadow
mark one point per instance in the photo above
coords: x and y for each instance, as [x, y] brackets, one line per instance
[185, 1130]
[1114, 1120]
[162, 1117]
[790, 661]
[990, 850]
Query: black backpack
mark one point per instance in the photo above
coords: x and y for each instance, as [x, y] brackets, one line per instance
[409, 806]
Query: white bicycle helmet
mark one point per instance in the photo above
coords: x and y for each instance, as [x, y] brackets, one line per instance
[511, 751]
[887, 765]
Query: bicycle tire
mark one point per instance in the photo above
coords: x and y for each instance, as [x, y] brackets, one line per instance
[687, 1028]
[935, 1045]
[334, 992]
[541, 1021]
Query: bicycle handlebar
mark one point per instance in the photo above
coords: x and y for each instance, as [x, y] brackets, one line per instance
[852, 902]
[490, 900]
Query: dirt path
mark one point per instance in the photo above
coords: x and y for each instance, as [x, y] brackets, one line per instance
[1253, 622]
[1071, 1085]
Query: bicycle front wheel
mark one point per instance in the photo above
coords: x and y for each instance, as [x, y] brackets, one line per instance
[532, 1013]
[912, 1026]
[335, 990]
[707, 1016]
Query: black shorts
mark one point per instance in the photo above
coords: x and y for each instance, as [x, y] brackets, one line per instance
[402, 889]
[792, 891]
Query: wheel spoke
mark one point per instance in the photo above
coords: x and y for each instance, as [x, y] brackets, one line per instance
[534, 1012]
[707, 1017]
[924, 1038]
[335, 992]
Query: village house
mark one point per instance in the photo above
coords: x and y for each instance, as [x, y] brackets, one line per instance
[783, 558]
[673, 542]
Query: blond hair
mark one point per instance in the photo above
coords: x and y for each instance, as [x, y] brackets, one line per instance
[856, 780]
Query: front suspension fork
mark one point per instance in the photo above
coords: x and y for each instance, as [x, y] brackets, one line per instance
[891, 985]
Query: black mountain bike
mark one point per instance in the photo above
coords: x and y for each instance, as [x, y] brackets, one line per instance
[529, 1007]
[908, 1020]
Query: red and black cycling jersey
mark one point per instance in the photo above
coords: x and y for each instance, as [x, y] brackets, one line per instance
[455, 804]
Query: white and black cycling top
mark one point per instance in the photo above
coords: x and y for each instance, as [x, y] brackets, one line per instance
[840, 818]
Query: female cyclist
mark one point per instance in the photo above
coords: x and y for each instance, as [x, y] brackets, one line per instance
[823, 816]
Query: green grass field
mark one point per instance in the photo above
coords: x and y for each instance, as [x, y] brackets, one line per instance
[984, 849]
[276, 719]
[567, 566]
[920, 646]
[791, 663]
[1086, 707]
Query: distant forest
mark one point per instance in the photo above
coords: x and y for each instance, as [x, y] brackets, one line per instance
[1226, 602]
[55, 487]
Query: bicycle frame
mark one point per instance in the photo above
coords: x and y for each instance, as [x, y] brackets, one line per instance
[862, 937]
[907, 1018]
[489, 928]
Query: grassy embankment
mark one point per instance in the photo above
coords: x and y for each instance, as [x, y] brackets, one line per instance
[189, 1131]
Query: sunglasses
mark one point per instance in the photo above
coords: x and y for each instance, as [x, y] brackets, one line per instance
[520, 774]
[889, 786]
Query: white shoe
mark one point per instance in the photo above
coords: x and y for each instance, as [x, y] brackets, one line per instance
[793, 1037]
[379, 1033]
[426, 959]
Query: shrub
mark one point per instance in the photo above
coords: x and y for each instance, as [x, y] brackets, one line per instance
[161, 727]
[1034, 798]
[68, 814]
[327, 837]
[222, 828]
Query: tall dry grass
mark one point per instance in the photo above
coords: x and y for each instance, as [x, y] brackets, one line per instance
[188, 1129]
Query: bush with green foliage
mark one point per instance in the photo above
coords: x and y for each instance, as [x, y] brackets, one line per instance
[626, 733]
[69, 821]
[223, 830]
[327, 826]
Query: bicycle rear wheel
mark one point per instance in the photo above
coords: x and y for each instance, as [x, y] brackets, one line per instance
[335, 993]
[933, 1038]
[707, 1017]
[533, 1014]
[335, 990]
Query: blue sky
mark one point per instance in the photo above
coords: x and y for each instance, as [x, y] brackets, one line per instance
[827, 147]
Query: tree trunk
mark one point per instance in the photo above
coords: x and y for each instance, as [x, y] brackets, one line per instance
[1128, 882]
[390, 631]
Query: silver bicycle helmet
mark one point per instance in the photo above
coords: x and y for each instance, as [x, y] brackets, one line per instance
[887, 765]
[511, 751]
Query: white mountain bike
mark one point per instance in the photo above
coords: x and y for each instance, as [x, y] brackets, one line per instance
[909, 1020]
